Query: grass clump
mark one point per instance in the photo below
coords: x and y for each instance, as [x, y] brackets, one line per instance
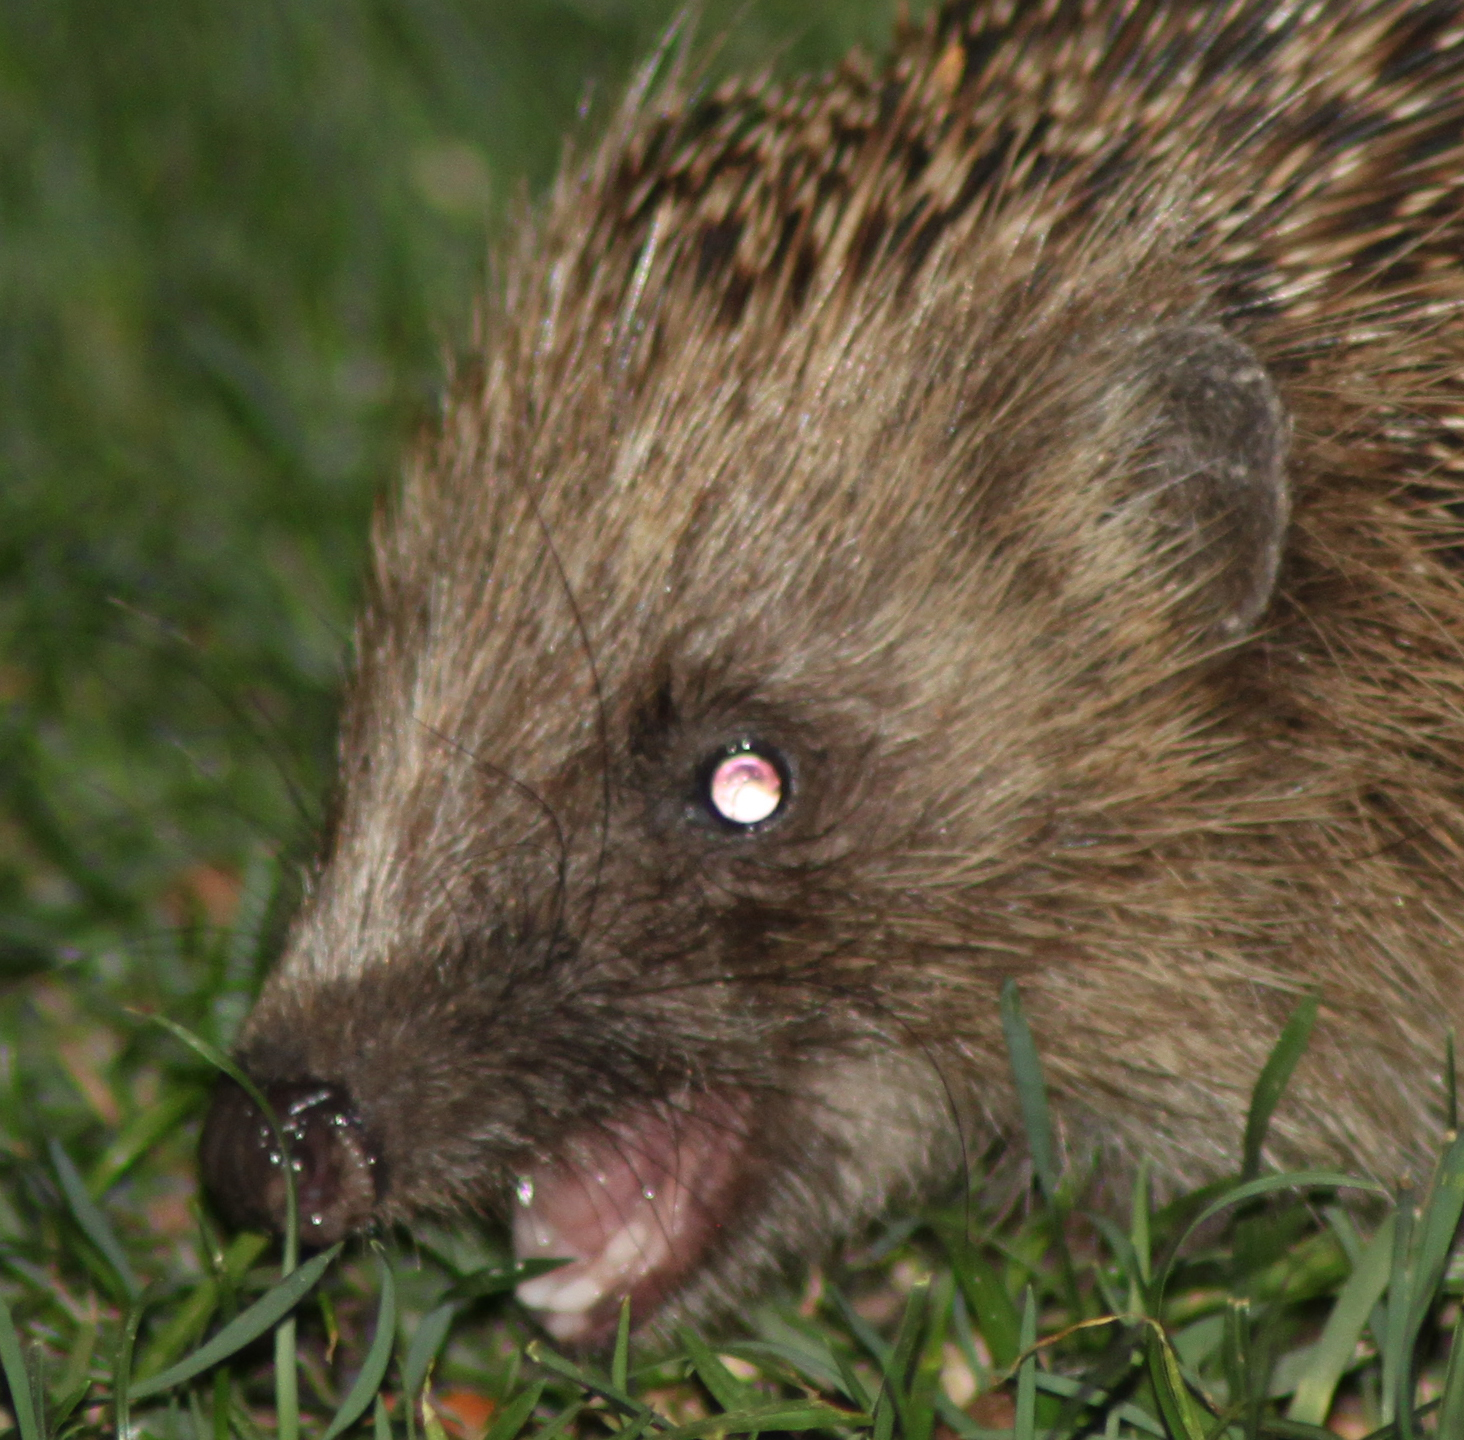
[236, 239]
[1254, 1307]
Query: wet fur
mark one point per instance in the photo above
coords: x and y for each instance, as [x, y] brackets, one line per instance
[816, 413]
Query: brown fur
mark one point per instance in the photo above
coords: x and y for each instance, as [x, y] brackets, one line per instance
[795, 417]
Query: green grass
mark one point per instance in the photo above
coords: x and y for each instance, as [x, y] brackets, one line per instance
[235, 240]
[1244, 1309]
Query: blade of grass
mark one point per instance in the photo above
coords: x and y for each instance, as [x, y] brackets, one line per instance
[1266, 1185]
[140, 1134]
[1295, 1430]
[1024, 1426]
[1340, 1223]
[1123, 1251]
[1334, 1350]
[373, 1369]
[432, 1427]
[620, 1358]
[1397, 1368]
[852, 1385]
[561, 1422]
[380, 1421]
[865, 1334]
[1031, 1090]
[892, 1403]
[724, 1387]
[512, 1418]
[860, 1328]
[1067, 1388]
[820, 1369]
[1026, 1066]
[806, 1416]
[248, 1326]
[222, 1394]
[122, 1368]
[1236, 1362]
[1182, 1414]
[22, 1402]
[287, 1381]
[991, 1306]
[966, 1341]
[1271, 1084]
[75, 1382]
[35, 1364]
[498, 1279]
[1451, 1402]
[912, 1322]
[1435, 1232]
[509, 1376]
[202, 1429]
[183, 1325]
[925, 1383]
[188, 1320]
[426, 1341]
[962, 1425]
[884, 1415]
[634, 1429]
[1139, 1213]
[541, 1355]
[94, 1225]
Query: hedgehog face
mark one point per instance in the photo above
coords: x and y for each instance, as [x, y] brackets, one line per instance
[699, 796]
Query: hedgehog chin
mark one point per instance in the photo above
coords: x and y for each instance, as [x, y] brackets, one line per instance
[631, 1207]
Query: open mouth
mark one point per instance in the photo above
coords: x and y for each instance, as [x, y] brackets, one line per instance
[632, 1207]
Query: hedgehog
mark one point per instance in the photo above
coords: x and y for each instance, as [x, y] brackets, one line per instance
[991, 517]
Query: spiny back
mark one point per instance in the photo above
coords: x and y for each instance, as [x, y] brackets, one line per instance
[1316, 148]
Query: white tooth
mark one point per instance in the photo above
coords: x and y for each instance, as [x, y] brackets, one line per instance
[565, 1327]
[637, 1246]
[561, 1294]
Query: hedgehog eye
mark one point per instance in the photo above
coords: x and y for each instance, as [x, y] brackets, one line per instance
[746, 784]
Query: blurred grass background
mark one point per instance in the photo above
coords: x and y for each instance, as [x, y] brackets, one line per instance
[235, 239]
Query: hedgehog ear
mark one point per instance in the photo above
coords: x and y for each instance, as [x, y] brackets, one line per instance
[1206, 476]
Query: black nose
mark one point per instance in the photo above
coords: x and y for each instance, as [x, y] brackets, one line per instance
[336, 1174]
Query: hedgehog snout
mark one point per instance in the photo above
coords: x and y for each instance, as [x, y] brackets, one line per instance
[336, 1170]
